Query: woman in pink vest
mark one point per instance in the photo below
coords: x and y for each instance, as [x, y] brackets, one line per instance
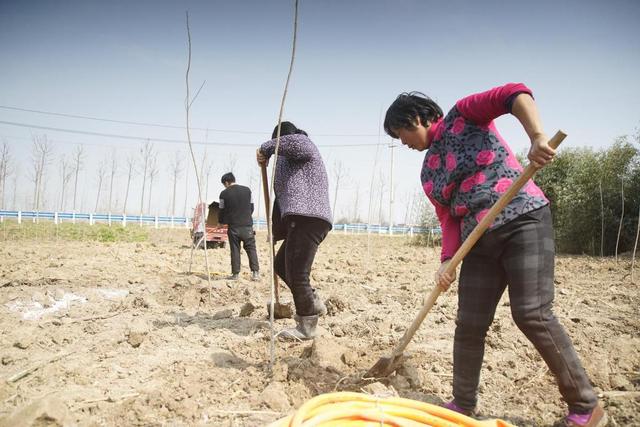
[467, 167]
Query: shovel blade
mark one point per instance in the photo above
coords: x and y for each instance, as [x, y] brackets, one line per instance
[385, 366]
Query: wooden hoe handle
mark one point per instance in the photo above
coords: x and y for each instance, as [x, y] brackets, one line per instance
[471, 240]
[267, 205]
[265, 191]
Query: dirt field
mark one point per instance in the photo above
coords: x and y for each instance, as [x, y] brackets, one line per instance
[123, 336]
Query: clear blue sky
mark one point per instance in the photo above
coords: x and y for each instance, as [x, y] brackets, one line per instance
[126, 60]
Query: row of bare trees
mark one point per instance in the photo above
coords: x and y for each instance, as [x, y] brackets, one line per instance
[143, 167]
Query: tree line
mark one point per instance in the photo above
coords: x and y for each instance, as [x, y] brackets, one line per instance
[44, 167]
[595, 197]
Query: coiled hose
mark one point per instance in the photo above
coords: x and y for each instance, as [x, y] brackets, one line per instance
[362, 410]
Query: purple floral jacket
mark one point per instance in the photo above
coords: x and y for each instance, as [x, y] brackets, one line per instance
[301, 185]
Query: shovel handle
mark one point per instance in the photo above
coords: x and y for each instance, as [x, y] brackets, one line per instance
[267, 205]
[471, 240]
[265, 191]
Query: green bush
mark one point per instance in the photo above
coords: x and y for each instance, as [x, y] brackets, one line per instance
[584, 187]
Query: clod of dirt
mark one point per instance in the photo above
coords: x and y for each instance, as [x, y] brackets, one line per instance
[411, 374]
[325, 352]
[337, 331]
[275, 397]
[335, 305]
[48, 411]
[246, 309]
[137, 334]
[7, 360]
[349, 357]
[23, 341]
[399, 382]
[140, 302]
[135, 339]
[380, 390]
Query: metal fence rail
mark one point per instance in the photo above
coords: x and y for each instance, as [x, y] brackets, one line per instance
[94, 218]
[185, 222]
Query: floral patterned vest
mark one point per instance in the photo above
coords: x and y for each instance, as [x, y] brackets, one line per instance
[468, 167]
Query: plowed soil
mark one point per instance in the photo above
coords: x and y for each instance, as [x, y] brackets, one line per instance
[121, 334]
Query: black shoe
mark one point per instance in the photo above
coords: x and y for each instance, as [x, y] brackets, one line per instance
[233, 277]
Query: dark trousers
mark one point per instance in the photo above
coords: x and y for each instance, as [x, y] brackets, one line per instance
[295, 257]
[519, 254]
[246, 235]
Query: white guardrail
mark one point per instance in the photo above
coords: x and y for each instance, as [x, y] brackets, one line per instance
[185, 222]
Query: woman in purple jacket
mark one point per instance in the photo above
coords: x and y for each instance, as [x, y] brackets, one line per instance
[301, 217]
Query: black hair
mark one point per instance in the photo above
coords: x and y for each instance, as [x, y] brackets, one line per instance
[287, 128]
[228, 177]
[404, 110]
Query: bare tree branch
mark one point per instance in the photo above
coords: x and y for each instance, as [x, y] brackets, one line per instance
[381, 187]
[131, 163]
[176, 171]
[621, 216]
[78, 156]
[338, 173]
[153, 173]
[5, 170]
[113, 169]
[186, 193]
[66, 171]
[187, 107]
[146, 153]
[635, 246]
[273, 174]
[197, 93]
[207, 173]
[100, 174]
[232, 160]
[41, 157]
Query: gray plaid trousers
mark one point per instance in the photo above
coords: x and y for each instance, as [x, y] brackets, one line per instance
[518, 256]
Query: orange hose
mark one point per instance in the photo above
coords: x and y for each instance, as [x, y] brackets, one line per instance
[362, 410]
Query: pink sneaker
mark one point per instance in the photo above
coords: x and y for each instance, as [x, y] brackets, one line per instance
[455, 408]
[596, 418]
